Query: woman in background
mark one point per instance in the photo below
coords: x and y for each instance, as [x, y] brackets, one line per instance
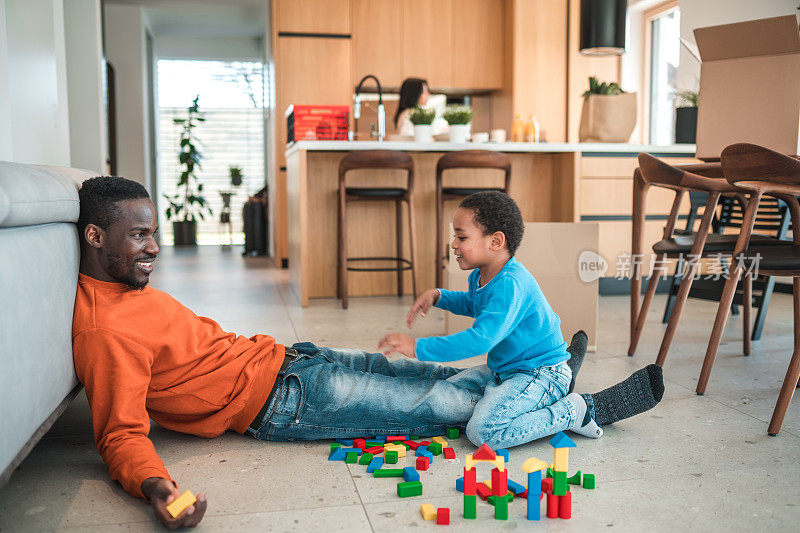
[414, 92]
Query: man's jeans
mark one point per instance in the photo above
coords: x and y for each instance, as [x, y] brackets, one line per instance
[333, 393]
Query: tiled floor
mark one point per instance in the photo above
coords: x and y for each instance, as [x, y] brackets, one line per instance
[700, 463]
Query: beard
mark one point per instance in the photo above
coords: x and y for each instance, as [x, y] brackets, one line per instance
[125, 272]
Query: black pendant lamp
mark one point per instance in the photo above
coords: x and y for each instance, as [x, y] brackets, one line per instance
[603, 27]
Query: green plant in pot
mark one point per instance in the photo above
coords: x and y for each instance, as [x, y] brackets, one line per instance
[422, 119]
[608, 114]
[188, 202]
[459, 118]
[686, 103]
[236, 176]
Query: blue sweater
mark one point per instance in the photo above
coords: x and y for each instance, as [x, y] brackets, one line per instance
[514, 324]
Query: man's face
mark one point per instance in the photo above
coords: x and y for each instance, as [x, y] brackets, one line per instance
[129, 247]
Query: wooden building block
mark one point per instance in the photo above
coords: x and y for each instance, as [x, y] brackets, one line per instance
[180, 503]
[428, 512]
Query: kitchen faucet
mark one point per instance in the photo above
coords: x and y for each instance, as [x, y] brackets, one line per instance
[381, 112]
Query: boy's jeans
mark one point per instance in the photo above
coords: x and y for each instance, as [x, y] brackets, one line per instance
[332, 393]
[518, 407]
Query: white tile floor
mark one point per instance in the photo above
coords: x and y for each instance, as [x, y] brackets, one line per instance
[700, 463]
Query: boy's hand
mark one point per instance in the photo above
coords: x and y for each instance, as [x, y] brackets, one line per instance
[421, 306]
[161, 492]
[397, 342]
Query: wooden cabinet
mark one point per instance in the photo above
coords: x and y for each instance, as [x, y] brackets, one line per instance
[428, 41]
[313, 16]
[478, 44]
[377, 38]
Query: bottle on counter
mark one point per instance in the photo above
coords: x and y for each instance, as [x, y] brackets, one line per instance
[517, 129]
[532, 130]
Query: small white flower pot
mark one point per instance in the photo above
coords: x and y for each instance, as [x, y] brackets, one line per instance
[459, 133]
[423, 133]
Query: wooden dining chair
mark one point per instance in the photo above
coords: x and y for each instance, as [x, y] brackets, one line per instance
[761, 171]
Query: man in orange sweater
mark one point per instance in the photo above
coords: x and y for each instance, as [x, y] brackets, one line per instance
[141, 355]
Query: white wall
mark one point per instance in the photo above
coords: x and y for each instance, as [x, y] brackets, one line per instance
[33, 97]
[209, 48]
[125, 27]
[84, 55]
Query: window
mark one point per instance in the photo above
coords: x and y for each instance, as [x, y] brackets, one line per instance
[232, 101]
[662, 56]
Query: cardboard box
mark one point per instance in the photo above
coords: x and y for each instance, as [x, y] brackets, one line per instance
[551, 251]
[749, 81]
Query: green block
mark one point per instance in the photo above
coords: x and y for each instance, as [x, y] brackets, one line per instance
[335, 445]
[370, 444]
[575, 480]
[365, 459]
[470, 506]
[391, 457]
[501, 508]
[389, 472]
[406, 445]
[352, 457]
[452, 433]
[509, 497]
[559, 483]
[413, 437]
[409, 488]
[588, 481]
[549, 473]
[435, 448]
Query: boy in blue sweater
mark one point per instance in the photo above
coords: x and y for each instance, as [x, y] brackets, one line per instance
[526, 382]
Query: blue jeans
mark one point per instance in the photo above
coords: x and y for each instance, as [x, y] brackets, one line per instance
[333, 393]
[518, 407]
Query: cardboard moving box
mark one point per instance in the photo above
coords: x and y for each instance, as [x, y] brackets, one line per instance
[749, 86]
[551, 251]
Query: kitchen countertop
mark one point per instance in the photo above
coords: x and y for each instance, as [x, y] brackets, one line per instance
[522, 147]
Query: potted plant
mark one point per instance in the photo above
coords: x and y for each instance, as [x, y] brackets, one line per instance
[236, 181]
[188, 202]
[608, 114]
[459, 118]
[686, 102]
[422, 119]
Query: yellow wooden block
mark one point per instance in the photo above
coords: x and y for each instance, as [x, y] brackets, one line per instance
[440, 440]
[533, 464]
[499, 462]
[180, 503]
[399, 448]
[428, 512]
[561, 459]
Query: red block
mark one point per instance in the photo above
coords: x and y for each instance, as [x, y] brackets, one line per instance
[359, 443]
[565, 506]
[470, 477]
[484, 452]
[443, 516]
[375, 450]
[424, 443]
[552, 506]
[547, 485]
[499, 482]
[411, 444]
[483, 491]
[449, 453]
[522, 494]
[397, 438]
[422, 463]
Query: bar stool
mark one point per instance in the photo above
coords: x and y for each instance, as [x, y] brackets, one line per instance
[463, 159]
[377, 159]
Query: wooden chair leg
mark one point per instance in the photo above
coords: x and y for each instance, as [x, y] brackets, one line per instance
[641, 316]
[412, 238]
[637, 226]
[719, 326]
[342, 249]
[747, 305]
[439, 243]
[398, 211]
[675, 316]
[792, 373]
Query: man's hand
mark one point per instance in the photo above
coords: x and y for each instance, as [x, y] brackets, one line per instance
[161, 492]
[397, 342]
[421, 306]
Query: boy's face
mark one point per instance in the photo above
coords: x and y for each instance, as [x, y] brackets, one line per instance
[471, 247]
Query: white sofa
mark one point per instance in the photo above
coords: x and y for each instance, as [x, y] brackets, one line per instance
[38, 276]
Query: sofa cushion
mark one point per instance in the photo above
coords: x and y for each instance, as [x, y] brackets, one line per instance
[32, 194]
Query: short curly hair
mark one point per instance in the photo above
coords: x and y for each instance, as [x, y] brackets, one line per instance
[496, 211]
[98, 200]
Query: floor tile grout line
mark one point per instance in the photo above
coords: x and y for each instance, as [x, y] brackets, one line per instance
[360, 499]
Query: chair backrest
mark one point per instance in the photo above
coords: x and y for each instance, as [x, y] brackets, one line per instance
[750, 162]
[475, 159]
[689, 177]
[376, 160]
[772, 215]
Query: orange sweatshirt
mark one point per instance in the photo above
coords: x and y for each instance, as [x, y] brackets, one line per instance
[142, 355]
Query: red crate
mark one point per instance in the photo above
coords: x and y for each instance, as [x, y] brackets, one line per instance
[317, 123]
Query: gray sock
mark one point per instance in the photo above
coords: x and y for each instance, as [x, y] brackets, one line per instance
[584, 423]
[577, 351]
[640, 392]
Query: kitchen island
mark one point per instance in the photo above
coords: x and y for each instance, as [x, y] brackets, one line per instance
[551, 183]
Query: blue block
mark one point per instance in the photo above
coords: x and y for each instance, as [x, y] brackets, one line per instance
[460, 484]
[410, 474]
[502, 452]
[359, 451]
[345, 442]
[421, 451]
[374, 465]
[338, 455]
[515, 487]
[379, 438]
[534, 506]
